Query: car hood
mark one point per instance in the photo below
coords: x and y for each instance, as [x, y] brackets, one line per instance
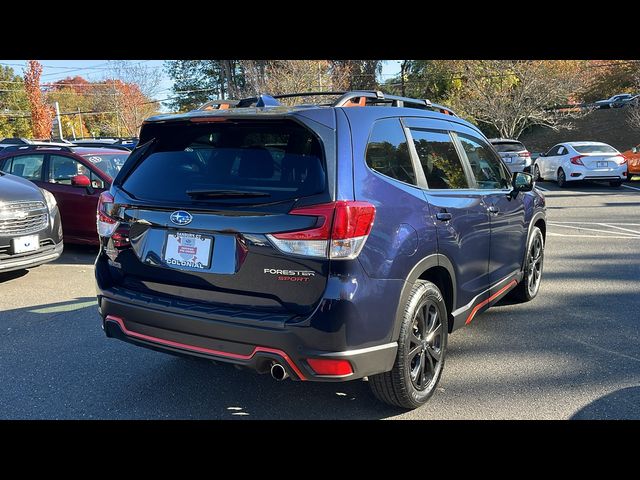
[14, 189]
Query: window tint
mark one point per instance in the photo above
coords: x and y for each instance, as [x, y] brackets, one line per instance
[387, 151]
[439, 159]
[25, 166]
[62, 168]
[509, 147]
[108, 163]
[273, 161]
[554, 151]
[594, 149]
[487, 168]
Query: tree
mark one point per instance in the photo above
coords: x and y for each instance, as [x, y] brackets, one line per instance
[41, 113]
[633, 116]
[13, 104]
[356, 74]
[507, 96]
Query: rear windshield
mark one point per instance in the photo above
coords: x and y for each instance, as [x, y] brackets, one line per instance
[230, 162]
[509, 147]
[594, 149]
[108, 163]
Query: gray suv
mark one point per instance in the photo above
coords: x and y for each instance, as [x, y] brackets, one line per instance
[513, 153]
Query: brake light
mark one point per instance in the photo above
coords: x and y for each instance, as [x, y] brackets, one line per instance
[341, 230]
[620, 160]
[577, 160]
[106, 225]
[524, 154]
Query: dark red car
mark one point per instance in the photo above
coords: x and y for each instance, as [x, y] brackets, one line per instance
[76, 176]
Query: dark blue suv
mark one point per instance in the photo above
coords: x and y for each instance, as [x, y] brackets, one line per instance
[323, 242]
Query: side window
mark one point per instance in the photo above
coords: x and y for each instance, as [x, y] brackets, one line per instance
[486, 167]
[388, 153]
[553, 152]
[25, 166]
[441, 164]
[96, 181]
[561, 151]
[62, 168]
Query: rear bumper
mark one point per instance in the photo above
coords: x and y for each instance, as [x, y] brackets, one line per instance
[257, 348]
[581, 173]
[44, 255]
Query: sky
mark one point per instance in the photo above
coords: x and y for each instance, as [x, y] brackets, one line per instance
[94, 70]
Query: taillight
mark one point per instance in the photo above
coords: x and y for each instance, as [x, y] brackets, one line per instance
[341, 231]
[524, 154]
[105, 223]
[620, 160]
[577, 160]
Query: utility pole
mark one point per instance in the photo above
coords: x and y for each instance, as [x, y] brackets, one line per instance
[81, 129]
[59, 122]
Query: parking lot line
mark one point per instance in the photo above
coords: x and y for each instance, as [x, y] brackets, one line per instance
[553, 234]
[628, 235]
[632, 188]
[619, 228]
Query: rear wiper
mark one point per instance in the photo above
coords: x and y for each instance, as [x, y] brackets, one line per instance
[225, 194]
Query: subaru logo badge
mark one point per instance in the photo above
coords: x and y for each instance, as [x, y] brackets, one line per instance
[181, 217]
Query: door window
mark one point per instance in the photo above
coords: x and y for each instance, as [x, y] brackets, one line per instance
[62, 169]
[441, 164]
[25, 166]
[485, 165]
[387, 151]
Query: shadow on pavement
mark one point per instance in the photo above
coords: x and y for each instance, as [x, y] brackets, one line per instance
[618, 405]
[7, 276]
[77, 255]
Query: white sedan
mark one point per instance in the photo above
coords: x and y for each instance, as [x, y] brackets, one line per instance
[573, 161]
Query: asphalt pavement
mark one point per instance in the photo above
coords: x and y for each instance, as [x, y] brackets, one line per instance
[573, 352]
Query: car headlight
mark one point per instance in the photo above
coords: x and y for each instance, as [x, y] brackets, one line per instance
[50, 199]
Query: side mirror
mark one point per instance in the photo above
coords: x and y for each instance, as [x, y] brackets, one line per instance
[521, 182]
[80, 181]
[634, 150]
[542, 154]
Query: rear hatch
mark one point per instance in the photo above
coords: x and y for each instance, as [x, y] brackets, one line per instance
[512, 152]
[200, 201]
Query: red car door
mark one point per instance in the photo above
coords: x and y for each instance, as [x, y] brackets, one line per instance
[77, 204]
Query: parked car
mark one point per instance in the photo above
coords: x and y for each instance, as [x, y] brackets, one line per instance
[574, 161]
[615, 101]
[76, 176]
[513, 153]
[633, 162]
[30, 226]
[117, 143]
[626, 101]
[321, 243]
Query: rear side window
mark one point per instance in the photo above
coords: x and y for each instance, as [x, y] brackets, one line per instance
[25, 166]
[266, 161]
[387, 151]
[439, 159]
[509, 147]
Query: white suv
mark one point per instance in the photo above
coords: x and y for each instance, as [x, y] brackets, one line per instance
[572, 161]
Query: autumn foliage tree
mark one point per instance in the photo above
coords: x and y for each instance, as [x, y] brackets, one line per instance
[41, 113]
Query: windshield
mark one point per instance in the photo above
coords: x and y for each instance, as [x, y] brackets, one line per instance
[509, 147]
[109, 163]
[247, 163]
[594, 149]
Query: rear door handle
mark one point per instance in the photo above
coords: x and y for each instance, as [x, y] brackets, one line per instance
[443, 216]
[493, 209]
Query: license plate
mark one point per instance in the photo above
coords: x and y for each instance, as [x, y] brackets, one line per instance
[29, 243]
[602, 164]
[188, 250]
[506, 159]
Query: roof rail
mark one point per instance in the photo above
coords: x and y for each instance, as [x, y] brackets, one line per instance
[376, 96]
[42, 146]
[113, 146]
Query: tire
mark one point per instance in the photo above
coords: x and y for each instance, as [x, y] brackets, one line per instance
[615, 183]
[528, 288]
[562, 178]
[536, 174]
[629, 176]
[419, 361]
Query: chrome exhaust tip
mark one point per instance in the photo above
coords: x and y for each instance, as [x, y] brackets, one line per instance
[278, 372]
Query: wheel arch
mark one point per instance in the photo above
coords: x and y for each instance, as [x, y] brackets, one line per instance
[435, 268]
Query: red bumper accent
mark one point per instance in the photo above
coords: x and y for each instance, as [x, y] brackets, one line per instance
[208, 351]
